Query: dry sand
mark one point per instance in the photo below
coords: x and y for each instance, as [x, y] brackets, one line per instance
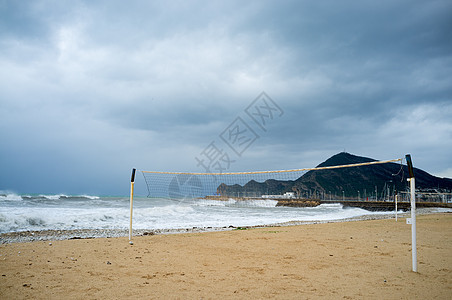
[350, 260]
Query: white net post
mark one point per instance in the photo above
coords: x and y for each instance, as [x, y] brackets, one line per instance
[413, 224]
[413, 211]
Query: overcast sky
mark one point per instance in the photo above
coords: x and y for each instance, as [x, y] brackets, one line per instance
[91, 89]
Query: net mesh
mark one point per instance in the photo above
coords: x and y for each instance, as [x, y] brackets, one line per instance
[183, 186]
[177, 186]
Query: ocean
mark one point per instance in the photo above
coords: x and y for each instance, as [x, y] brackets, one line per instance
[74, 212]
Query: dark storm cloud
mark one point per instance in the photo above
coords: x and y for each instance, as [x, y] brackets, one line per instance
[100, 87]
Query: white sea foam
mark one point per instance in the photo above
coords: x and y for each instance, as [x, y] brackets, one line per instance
[53, 197]
[89, 197]
[257, 203]
[234, 203]
[442, 210]
[8, 196]
[207, 202]
[62, 212]
[64, 196]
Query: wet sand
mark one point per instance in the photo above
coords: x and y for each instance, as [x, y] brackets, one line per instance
[368, 259]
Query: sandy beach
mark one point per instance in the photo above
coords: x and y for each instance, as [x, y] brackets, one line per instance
[368, 259]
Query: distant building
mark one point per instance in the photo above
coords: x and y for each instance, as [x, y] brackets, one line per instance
[289, 195]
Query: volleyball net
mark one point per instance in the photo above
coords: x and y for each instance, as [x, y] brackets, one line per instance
[283, 185]
[186, 186]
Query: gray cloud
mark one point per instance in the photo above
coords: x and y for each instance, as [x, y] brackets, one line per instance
[90, 90]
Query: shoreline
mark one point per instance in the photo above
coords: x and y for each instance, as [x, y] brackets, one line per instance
[77, 234]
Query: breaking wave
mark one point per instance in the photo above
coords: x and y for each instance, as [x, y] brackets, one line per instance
[64, 212]
[8, 196]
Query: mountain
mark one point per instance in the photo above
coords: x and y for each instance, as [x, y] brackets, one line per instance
[354, 182]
